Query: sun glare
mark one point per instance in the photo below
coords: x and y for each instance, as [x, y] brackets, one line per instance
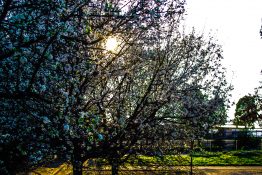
[111, 44]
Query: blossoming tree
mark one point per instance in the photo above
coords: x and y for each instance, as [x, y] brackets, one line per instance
[51, 55]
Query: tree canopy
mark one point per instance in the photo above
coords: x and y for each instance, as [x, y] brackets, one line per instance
[63, 93]
[247, 111]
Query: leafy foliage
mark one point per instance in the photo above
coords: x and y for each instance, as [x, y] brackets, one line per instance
[247, 111]
[261, 31]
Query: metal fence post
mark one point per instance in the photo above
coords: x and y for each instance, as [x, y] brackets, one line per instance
[210, 145]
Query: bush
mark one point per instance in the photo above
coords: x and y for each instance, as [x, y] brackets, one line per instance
[249, 143]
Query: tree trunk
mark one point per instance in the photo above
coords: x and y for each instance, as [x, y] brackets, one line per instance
[115, 167]
[77, 167]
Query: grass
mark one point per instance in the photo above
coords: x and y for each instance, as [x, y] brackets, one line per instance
[231, 158]
[171, 162]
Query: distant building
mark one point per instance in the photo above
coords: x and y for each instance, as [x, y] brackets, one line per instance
[230, 131]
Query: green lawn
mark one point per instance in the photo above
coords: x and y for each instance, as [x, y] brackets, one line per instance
[204, 159]
[231, 158]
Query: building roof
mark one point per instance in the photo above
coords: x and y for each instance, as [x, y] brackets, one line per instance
[231, 126]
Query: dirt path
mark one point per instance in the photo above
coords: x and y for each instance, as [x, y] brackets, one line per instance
[200, 170]
[231, 170]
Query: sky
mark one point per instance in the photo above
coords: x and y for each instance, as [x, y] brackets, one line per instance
[235, 24]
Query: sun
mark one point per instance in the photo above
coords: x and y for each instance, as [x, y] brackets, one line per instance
[111, 44]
